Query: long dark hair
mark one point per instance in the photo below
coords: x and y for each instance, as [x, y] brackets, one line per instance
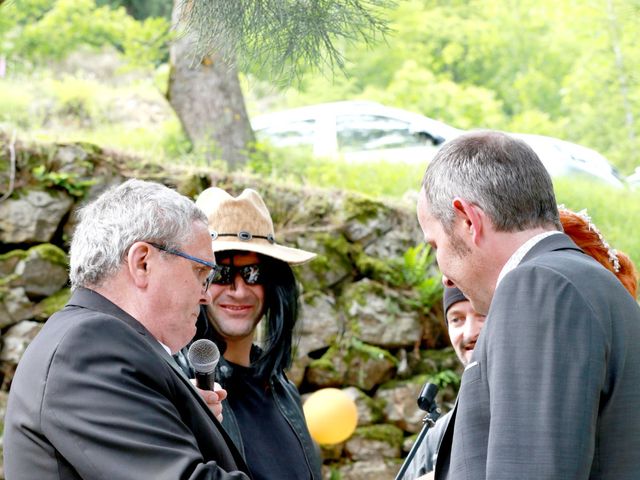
[281, 314]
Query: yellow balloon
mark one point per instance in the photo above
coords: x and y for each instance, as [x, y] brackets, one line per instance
[331, 415]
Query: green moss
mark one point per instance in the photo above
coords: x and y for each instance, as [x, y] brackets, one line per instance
[335, 474]
[8, 280]
[382, 433]
[362, 208]
[372, 351]
[51, 254]
[13, 255]
[72, 182]
[326, 361]
[372, 267]
[53, 303]
[337, 249]
[416, 380]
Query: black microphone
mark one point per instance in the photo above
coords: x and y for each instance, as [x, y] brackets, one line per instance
[426, 402]
[427, 397]
[203, 356]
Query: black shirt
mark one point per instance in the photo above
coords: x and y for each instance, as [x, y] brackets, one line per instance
[271, 448]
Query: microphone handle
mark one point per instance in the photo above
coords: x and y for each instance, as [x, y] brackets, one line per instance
[205, 381]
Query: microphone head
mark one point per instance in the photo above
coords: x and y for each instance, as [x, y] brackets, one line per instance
[203, 355]
[427, 396]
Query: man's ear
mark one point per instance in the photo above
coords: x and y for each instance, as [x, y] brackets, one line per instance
[473, 216]
[138, 263]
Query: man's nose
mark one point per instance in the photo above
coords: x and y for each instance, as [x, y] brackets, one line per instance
[472, 327]
[446, 282]
[206, 298]
[238, 282]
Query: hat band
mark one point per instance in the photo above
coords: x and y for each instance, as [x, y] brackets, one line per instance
[244, 236]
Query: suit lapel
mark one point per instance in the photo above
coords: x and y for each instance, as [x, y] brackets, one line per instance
[441, 468]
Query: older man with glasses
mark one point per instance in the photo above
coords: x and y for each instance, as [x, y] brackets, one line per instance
[254, 285]
[97, 393]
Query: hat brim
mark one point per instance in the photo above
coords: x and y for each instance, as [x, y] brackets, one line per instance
[292, 256]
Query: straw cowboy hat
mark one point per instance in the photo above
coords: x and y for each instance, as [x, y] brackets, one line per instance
[244, 223]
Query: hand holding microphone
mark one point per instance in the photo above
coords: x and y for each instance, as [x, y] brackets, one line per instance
[204, 356]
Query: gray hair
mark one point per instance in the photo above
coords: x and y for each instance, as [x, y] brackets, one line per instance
[500, 174]
[133, 211]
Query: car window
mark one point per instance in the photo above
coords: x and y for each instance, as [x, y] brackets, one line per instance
[288, 134]
[373, 132]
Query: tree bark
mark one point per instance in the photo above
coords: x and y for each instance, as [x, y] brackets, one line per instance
[206, 95]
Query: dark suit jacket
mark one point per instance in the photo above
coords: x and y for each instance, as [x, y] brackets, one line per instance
[95, 396]
[553, 388]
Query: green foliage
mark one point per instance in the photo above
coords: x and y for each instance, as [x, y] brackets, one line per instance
[477, 64]
[283, 39]
[43, 30]
[445, 378]
[141, 9]
[68, 181]
[374, 178]
[419, 272]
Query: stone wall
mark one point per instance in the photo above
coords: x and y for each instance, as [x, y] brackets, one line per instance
[371, 321]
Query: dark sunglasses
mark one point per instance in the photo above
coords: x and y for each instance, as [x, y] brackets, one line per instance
[251, 274]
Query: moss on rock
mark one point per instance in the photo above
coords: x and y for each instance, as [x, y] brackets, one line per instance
[382, 433]
[50, 253]
[52, 304]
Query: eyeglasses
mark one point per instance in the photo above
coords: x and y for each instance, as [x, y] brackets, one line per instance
[214, 268]
[251, 274]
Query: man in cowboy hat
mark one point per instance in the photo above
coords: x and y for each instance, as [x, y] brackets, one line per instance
[254, 284]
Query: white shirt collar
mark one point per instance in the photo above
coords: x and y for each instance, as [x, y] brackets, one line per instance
[165, 347]
[519, 254]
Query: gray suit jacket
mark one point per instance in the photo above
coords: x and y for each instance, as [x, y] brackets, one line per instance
[553, 388]
[95, 396]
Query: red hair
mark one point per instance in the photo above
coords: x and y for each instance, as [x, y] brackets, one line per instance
[589, 239]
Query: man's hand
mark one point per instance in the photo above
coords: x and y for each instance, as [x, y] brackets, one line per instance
[213, 399]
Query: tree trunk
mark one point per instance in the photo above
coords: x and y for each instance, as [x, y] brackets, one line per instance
[208, 100]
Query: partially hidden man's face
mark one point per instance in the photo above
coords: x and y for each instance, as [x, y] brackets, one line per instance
[457, 258]
[237, 308]
[464, 325]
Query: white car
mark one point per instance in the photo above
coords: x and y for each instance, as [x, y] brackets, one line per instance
[356, 131]
[367, 131]
[634, 179]
[566, 159]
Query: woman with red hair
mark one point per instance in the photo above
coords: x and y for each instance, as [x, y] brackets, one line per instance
[579, 227]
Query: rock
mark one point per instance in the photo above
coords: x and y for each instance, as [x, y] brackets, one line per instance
[16, 340]
[319, 324]
[15, 307]
[376, 469]
[375, 441]
[369, 411]
[43, 271]
[400, 404]
[351, 363]
[380, 316]
[35, 217]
